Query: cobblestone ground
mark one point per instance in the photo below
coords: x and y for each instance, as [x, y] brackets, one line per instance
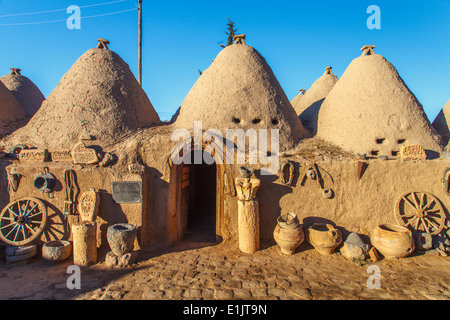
[221, 271]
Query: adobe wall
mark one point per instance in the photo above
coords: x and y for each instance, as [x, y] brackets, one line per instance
[87, 177]
[356, 203]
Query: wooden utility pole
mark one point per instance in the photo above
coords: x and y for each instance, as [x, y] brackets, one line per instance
[140, 42]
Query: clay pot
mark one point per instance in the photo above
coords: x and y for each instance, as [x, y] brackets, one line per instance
[393, 241]
[246, 172]
[324, 238]
[121, 238]
[56, 251]
[288, 233]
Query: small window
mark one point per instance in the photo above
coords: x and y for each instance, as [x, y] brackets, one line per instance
[275, 121]
[395, 153]
[401, 141]
[375, 152]
[380, 141]
[256, 121]
[236, 120]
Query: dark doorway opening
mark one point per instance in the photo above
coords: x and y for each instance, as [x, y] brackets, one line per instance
[201, 211]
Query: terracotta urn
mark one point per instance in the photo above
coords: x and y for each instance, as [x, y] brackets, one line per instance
[393, 241]
[324, 238]
[288, 233]
[121, 238]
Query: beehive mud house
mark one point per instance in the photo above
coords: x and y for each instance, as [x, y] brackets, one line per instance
[375, 154]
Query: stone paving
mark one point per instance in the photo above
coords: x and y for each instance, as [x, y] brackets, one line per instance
[222, 272]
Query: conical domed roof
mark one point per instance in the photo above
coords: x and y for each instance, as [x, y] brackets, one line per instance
[99, 96]
[308, 107]
[24, 90]
[298, 97]
[10, 110]
[371, 110]
[240, 91]
[442, 124]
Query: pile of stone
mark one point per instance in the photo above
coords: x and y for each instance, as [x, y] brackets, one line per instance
[354, 248]
[434, 245]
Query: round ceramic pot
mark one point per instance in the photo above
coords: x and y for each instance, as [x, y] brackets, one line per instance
[324, 238]
[288, 233]
[121, 238]
[56, 251]
[246, 172]
[393, 241]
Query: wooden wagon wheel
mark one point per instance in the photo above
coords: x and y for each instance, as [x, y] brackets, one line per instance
[22, 221]
[420, 211]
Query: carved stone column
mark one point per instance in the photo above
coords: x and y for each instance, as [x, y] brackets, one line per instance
[248, 213]
[84, 243]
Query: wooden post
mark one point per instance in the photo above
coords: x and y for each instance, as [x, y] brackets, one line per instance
[140, 43]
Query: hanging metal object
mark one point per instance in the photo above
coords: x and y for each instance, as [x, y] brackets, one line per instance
[327, 193]
[45, 181]
[13, 182]
[18, 147]
[362, 166]
[71, 189]
[287, 172]
[311, 174]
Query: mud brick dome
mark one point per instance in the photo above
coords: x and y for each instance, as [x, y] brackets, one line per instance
[371, 110]
[441, 123]
[308, 105]
[240, 91]
[24, 90]
[10, 109]
[99, 96]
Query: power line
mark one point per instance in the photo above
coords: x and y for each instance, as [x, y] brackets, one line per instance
[59, 20]
[56, 10]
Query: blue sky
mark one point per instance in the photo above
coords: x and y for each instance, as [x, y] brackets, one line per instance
[297, 38]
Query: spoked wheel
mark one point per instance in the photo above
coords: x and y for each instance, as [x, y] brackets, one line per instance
[22, 221]
[420, 211]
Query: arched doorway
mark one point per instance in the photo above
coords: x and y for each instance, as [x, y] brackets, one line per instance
[201, 202]
[195, 202]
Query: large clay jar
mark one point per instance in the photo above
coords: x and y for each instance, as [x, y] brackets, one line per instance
[393, 241]
[121, 238]
[288, 233]
[324, 238]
